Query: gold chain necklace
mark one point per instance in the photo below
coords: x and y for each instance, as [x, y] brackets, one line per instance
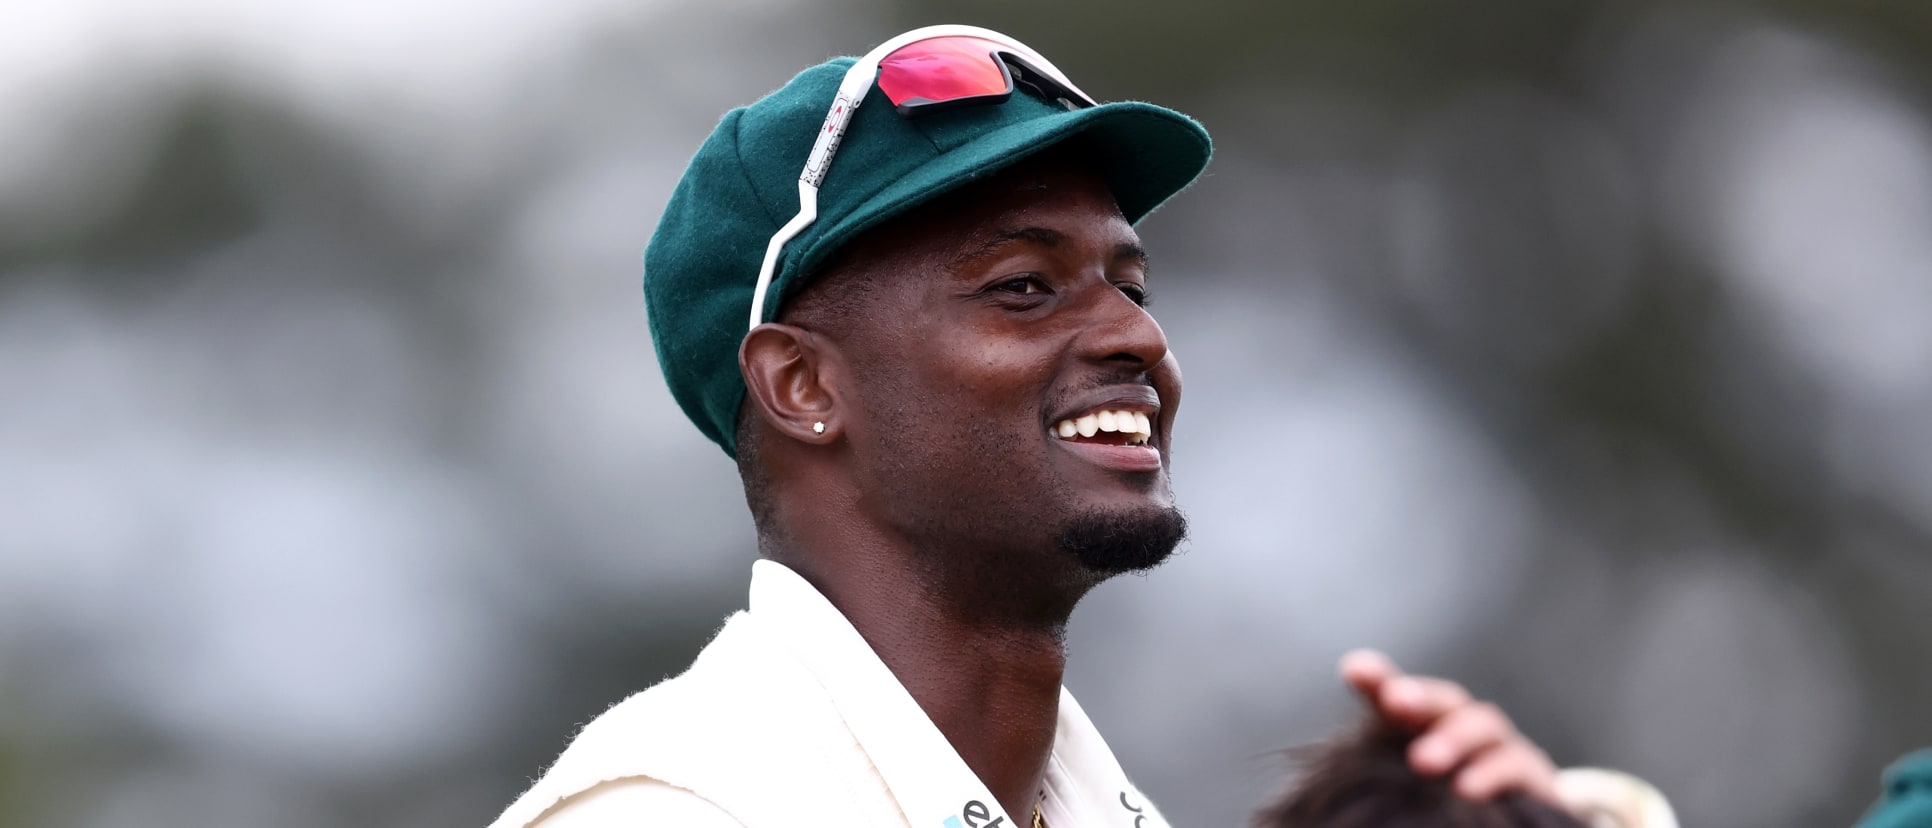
[1038, 821]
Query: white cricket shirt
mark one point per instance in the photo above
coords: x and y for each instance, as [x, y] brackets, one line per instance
[788, 718]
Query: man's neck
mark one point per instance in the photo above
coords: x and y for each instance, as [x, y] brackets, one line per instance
[991, 685]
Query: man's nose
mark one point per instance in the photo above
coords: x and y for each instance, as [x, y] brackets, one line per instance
[1123, 332]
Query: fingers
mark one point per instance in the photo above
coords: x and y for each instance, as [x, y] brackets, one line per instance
[1414, 702]
[1516, 765]
[1458, 736]
[1473, 741]
[1417, 702]
[1481, 746]
[1366, 671]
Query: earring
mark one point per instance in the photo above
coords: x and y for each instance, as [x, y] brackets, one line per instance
[818, 427]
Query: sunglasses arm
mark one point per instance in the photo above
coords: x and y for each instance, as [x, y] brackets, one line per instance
[858, 81]
[807, 213]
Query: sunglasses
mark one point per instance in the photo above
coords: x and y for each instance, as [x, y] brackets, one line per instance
[922, 71]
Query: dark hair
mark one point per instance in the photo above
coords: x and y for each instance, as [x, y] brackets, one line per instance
[1364, 781]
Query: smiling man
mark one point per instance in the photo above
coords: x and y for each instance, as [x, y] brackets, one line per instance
[954, 416]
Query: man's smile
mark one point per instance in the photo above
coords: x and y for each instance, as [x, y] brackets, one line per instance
[1120, 428]
[1114, 428]
[1133, 458]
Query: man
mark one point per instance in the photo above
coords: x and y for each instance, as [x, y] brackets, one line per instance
[953, 416]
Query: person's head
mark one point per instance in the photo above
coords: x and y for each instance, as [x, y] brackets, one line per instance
[970, 291]
[1364, 780]
[944, 350]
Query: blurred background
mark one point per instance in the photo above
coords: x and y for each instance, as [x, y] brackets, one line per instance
[1579, 351]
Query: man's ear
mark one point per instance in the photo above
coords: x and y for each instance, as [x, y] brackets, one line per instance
[791, 378]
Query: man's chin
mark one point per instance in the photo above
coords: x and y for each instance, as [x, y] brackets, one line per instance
[1114, 541]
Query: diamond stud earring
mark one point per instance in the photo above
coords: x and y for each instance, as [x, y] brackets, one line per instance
[818, 427]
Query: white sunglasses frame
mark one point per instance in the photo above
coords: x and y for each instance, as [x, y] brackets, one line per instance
[852, 90]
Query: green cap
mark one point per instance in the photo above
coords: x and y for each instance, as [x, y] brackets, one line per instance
[702, 263]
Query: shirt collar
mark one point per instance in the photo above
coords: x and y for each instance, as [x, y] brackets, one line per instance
[933, 786]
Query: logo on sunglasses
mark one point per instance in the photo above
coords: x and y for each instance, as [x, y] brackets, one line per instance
[828, 140]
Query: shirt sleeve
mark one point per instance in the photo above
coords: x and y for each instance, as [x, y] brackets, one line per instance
[1613, 799]
[636, 802]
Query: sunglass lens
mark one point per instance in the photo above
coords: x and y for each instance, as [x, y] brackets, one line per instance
[943, 70]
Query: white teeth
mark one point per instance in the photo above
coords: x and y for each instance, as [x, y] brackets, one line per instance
[1136, 425]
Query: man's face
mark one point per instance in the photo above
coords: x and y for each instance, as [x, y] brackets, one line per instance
[1016, 398]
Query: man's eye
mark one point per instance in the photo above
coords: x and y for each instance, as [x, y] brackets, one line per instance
[1023, 286]
[1135, 292]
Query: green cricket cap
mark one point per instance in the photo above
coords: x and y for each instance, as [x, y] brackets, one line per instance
[702, 263]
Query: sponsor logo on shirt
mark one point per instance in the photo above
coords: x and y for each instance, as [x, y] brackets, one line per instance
[976, 815]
